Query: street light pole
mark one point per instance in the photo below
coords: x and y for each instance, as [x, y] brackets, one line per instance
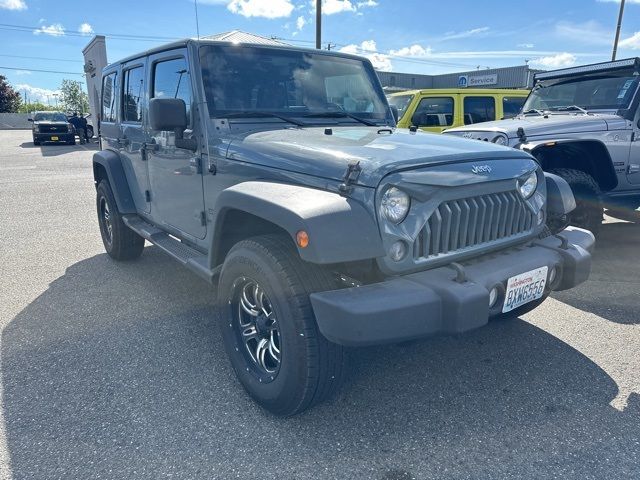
[615, 42]
[318, 24]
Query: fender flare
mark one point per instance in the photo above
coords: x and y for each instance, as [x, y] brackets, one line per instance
[534, 146]
[340, 229]
[112, 165]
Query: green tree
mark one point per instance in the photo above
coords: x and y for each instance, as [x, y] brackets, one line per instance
[34, 107]
[73, 97]
[9, 99]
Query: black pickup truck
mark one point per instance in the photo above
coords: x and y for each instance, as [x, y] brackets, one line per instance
[52, 127]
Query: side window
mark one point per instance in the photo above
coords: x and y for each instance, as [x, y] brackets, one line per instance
[479, 109]
[434, 112]
[171, 80]
[511, 106]
[108, 112]
[133, 95]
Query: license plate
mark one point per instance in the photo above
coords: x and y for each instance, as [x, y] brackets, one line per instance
[55, 139]
[524, 288]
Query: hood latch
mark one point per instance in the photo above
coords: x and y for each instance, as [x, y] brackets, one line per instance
[350, 177]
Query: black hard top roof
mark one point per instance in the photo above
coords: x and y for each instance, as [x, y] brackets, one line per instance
[183, 43]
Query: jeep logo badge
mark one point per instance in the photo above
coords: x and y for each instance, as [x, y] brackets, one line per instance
[478, 169]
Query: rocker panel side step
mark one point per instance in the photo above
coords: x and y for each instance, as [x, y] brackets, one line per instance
[186, 255]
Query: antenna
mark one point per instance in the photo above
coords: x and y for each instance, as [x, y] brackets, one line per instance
[195, 4]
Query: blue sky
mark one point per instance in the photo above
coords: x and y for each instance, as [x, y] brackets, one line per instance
[420, 36]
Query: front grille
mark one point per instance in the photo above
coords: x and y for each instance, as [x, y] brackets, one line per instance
[469, 222]
[53, 129]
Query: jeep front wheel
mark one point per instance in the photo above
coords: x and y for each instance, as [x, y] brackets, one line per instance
[589, 210]
[269, 329]
[120, 242]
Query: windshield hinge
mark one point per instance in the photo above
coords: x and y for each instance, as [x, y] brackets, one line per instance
[350, 177]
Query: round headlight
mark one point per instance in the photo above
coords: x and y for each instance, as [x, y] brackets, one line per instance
[527, 186]
[499, 140]
[395, 205]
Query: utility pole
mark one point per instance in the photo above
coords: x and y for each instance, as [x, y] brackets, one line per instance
[318, 24]
[330, 45]
[615, 42]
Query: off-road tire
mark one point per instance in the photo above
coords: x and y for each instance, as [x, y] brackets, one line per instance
[120, 242]
[311, 367]
[589, 211]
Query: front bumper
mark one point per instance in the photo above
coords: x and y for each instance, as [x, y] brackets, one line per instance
[49, 137]
[435, 301]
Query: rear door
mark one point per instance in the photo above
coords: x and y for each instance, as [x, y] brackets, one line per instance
[175, 173]
[478, 109]
[134, 104]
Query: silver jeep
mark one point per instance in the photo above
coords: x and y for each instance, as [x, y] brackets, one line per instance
[582, 124]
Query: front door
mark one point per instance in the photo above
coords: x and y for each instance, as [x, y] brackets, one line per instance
[177, 197]
[131, 133]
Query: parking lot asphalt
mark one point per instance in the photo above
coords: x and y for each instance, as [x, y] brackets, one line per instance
[116, 370]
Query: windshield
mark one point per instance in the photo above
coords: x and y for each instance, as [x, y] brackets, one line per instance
[49, 117]
[589, 93]
[401, 102]
[292, 83]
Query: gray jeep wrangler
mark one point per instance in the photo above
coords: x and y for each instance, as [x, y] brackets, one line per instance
[277, 174]
[582, 124]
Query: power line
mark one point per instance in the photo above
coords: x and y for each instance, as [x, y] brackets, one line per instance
[77, 33]
[42, 71]
[41, 58]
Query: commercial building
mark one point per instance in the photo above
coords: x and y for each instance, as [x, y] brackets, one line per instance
[520, 76]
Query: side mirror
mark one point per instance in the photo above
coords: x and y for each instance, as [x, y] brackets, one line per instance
[394, 112]
[168, 114]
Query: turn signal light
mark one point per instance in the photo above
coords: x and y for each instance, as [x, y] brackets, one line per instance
[302, 239]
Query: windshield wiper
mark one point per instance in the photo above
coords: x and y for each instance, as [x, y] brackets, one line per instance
[341, 114]
[533, 110]
[565, 108]
[258, 114]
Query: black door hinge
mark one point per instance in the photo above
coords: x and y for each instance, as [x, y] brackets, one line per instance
[147, 195]
[203, 218]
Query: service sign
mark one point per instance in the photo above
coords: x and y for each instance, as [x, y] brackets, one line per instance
[465, 81]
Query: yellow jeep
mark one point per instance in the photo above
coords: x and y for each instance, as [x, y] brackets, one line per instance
[435, 110]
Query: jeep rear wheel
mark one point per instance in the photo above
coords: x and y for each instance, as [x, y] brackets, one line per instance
[120, 242]
[268, 327]
[589, 210]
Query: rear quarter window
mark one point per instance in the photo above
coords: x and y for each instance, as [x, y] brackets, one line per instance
[511, 106]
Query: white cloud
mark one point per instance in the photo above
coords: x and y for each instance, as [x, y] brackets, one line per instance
[369, 49]
[330, 7]
[466, 33]
[22, 72]
[36, 94]
[85, 29]
[412, 51]
[367, 3]
[633, 42]
[300, 23]
[586, 33]
[555, 61]
[261, 8]
[55, 30]
[13, 5]
[525, 45]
